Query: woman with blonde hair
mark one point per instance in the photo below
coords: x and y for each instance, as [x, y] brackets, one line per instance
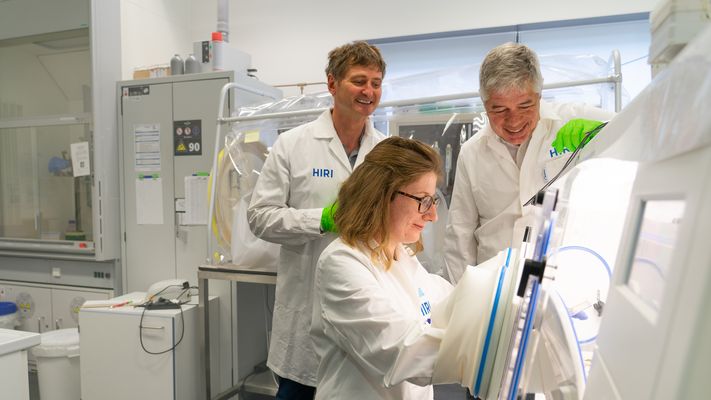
[371, 323]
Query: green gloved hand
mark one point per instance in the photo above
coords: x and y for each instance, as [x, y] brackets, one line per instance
[572, 133]
[327, 222]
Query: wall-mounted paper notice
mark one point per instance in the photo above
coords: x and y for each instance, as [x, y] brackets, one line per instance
[195, 200]
[80, 159]
[146, 147]
[149, 200]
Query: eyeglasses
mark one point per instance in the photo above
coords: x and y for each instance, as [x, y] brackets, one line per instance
[426, 202]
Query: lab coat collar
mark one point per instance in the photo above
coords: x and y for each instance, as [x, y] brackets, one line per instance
[548, 112]
[326, 119]
[325, 122]
[327, 131]
[494, 143]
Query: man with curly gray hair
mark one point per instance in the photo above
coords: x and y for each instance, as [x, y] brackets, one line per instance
[511, 158]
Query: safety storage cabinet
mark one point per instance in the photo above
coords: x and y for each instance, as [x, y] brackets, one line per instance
[167, 130]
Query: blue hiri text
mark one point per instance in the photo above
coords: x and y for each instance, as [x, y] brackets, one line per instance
[322, 172]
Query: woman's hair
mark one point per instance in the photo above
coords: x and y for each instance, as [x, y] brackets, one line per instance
[509, 66]
[365, 198]
[358, 53]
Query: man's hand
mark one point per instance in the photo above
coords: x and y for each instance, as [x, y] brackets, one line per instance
[327, 222]
[571, 134]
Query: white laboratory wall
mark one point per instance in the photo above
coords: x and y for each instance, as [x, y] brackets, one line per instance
[152, 31]
[290, 45]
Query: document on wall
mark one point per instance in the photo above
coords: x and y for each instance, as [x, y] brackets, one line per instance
[80, 159]
[146, 147]
[149, 200]
[196, 199]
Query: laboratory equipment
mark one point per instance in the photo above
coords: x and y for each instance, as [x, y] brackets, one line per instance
[177, 66]
[218, 55]
[673, 24]
[59, 158]
[192, 66]
[53, 107]
[652, 340]
[177, 290]
[115, 346]
[661, 284]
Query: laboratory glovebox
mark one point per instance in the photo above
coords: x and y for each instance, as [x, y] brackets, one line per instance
[115, 363]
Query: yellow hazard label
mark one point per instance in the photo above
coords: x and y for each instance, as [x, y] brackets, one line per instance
[181, 147]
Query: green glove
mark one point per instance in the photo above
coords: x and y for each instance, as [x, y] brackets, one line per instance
[572, 133]
[327, 222]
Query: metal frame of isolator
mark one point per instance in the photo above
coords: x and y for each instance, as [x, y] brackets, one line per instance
[234, 273]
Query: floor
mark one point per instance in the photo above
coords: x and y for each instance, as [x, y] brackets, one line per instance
[441, 392]
[449, 392]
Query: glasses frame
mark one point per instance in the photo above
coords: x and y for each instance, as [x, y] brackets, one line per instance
[421, 200]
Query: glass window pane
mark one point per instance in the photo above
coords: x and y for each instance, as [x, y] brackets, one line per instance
[39, 196]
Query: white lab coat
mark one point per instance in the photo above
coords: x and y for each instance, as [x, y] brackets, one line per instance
[486, 200]
[372, 328]
[301, 175]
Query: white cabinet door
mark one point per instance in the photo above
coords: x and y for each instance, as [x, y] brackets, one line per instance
[34, 306]
[66, 304]
[111, 347]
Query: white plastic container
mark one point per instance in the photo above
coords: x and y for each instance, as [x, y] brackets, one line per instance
[58, 365]
[8, 315]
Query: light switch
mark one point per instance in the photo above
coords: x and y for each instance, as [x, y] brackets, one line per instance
[56, 272]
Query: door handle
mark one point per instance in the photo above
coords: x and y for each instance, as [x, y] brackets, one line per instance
[153, 327]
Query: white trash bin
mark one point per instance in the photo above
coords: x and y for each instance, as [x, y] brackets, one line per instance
[8, 315]
[58, 365]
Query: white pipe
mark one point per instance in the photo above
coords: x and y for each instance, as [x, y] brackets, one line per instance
[223, 19]
[617, 64]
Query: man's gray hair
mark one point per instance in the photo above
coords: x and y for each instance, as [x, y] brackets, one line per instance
[509, 66]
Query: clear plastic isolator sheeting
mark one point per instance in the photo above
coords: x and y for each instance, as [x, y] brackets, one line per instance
[440, 108]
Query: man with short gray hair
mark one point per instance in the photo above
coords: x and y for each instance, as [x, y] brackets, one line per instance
[511, 158]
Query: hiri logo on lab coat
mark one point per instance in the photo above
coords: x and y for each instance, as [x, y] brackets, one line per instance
[554, 153]
[322, 172]
[425, 306]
